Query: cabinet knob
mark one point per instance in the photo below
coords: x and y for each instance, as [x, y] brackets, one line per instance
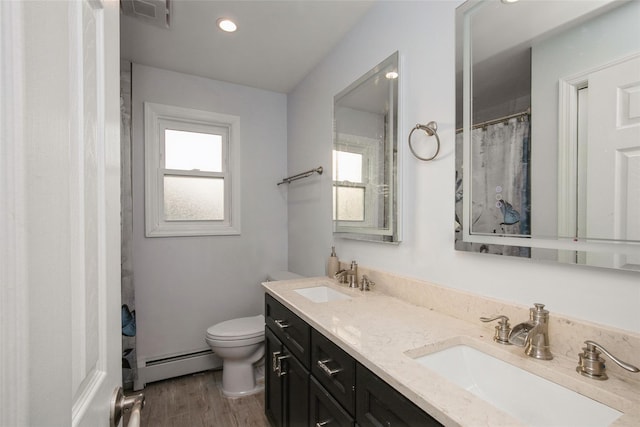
[323, 423]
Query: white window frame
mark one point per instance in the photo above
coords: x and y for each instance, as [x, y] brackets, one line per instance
[370, 160]
[157, 118]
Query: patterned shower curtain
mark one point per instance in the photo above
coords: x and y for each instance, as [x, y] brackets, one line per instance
[501, 199]
[128, 313]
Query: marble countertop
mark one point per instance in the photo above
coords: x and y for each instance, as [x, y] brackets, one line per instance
[385, 334]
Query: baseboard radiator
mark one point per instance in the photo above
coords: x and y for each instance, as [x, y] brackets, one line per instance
[175, 366]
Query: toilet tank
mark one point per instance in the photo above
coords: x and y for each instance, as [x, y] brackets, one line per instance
[282, 275]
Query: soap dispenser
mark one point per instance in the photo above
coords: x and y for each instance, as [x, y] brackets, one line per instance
[333, 265]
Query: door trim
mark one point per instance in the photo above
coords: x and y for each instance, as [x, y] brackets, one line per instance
[567, 146]
[14, 333]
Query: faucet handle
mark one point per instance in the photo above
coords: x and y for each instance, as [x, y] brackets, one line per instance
[341, 276]
[366, 283]
[503, 329]
[591, 365]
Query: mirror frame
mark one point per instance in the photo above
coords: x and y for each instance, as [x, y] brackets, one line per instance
[464, 59]
[392, 233]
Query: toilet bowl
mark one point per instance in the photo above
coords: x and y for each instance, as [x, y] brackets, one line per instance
[240, 345]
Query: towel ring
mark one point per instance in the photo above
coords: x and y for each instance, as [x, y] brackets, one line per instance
[430, 129]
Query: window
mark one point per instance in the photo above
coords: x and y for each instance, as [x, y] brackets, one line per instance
[348, 186]
[192, 172]
[358, 181]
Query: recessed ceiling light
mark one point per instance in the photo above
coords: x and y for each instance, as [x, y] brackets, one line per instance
[392, 75]
[509, 1]
[226, 24]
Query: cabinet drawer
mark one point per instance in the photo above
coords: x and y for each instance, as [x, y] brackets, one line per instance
[289, 328]
[324, 411]
[380, 404]
[334, 369]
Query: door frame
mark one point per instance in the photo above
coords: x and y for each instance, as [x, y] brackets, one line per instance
[568, 148]
[14, 332]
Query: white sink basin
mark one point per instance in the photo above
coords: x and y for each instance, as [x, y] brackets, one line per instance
[533, 400]
[322, 294]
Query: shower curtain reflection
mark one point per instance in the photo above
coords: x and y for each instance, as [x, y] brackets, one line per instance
[501, 200]
[128, 312]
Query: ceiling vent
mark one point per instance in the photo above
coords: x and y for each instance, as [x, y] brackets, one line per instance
[156, 12]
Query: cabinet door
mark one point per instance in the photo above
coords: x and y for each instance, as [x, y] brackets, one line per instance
[324, 411]
[334, 369]
[378, 404]
[286, 385]
[274, 393]
[294, 332]
[296, 391]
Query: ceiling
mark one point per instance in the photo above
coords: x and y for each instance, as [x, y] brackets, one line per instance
[277, 43]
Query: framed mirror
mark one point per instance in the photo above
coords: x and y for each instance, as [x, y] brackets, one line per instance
[365, 156]
[548, 130]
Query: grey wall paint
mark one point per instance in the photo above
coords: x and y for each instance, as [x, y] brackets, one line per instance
[423, 32]
[183, 285]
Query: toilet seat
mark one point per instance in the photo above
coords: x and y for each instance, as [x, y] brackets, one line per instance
[240, 329]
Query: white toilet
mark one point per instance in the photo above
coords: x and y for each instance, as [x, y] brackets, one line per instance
[240, 345]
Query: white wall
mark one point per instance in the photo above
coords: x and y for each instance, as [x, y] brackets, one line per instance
[183, 285]
[423, 32]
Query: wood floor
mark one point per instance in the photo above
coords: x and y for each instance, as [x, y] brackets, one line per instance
[196, 401]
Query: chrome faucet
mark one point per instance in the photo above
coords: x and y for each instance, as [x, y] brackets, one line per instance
[533, 335]
[348, 276]
[352, 278]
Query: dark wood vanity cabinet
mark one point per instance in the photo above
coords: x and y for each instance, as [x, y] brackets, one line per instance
[334, 369]
[379, 404]
[310, 381]
[274, 396]
[287, 385]
[286, 375]
[324, 410]
[294, 332]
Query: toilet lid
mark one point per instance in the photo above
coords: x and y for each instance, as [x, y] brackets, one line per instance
[243, 327]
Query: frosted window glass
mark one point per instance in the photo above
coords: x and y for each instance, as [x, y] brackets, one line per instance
[350, 203]
[347, 166]
[193, 198]
[192, 151]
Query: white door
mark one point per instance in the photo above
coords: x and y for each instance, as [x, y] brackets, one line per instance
[613, 199]
[61, 350]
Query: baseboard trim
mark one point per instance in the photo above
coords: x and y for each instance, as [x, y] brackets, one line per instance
[161, 369]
